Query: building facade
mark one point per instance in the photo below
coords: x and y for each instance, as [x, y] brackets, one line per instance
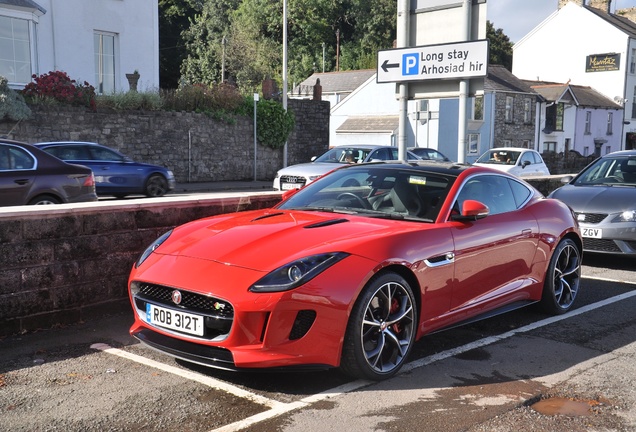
[97, 41]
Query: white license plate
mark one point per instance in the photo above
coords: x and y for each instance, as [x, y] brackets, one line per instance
[592, 232]
[290, 186]
[175, 320]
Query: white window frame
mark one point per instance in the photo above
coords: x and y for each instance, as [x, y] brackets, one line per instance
[527, 110]
[105, 81]
[472, 144]
[588, 122]
[32, 21]
[610, 123]
[510, 101]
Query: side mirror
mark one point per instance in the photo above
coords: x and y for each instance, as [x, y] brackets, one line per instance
[566, 179]
[471, 211]
[525, 164]
[313, 158]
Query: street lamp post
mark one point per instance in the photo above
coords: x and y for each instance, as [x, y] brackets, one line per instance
[285, 71]
[224, 43]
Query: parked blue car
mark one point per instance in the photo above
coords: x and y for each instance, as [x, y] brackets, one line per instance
[115, 173]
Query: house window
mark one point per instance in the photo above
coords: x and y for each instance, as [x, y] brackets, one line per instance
[527, 110]
[473, 144]
[586, 151]
[478, 108]
[608, 149]
[15, 49]
[632, 63]
[525, 143]
[634, 104]
[610, 123]
[554, 117]
[588, 122]
[104, 45]
[507, 143]
[509, 108]
[549, 146]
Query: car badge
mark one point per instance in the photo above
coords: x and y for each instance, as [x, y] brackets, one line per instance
[218, 305]
[176, 297]
[580, 217]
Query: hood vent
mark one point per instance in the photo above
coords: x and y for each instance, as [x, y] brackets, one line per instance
[327, 223]
[269, 215]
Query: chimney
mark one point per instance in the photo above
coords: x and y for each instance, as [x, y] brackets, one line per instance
[603, 5]
[564, 2]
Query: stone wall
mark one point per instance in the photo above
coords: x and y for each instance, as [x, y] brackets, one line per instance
[196, 147]
[69, 263]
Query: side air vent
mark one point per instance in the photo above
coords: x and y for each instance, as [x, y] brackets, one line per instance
[302, 324]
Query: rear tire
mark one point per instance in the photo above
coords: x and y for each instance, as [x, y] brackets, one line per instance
[381, 330]
[44, 200]
[562, 278]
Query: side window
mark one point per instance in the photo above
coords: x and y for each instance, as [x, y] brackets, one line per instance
[520, 193]
[492, 190]
[14, 158]
[527, 157]
[103, 154]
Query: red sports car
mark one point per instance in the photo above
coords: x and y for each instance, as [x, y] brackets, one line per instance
[354, 268]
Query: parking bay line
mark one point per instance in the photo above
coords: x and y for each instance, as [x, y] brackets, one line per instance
[279, 408]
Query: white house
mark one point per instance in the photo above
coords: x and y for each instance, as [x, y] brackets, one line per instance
[589, 46]
[98, 41]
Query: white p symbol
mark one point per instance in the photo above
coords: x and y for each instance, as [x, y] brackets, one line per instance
[410, 64]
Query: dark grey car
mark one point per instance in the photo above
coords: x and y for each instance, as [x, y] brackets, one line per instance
[603, 196]
[29, 175]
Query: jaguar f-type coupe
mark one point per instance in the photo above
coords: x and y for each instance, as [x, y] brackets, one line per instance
[351, 270]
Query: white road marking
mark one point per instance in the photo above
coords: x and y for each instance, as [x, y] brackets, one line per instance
[277, 408]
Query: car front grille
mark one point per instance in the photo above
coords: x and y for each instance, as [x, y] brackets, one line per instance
[218, 314]
[591, 218]
[299, 180]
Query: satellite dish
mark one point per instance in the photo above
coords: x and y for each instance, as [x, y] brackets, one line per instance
[619, 100]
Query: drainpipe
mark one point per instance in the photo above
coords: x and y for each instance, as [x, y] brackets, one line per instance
[463, 88]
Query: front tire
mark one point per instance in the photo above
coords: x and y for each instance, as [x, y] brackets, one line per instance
[381, 329]
[44, 200]
[562, 278]
[156, 186]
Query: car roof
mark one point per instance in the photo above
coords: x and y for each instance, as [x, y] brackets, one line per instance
[521, 149]
[451, 168]
[48, 143]
[620, 153]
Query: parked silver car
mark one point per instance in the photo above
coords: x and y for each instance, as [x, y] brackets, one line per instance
[297, 176]
[603, 196]
[521, 162]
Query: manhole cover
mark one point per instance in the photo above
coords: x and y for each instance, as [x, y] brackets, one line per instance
[564, 406]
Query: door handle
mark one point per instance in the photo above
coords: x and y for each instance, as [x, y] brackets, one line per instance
[22, 182]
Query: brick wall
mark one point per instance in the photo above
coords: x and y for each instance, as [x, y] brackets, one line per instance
[195, 147]
[67, 263]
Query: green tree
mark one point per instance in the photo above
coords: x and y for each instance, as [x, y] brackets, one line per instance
[500, 46]
[174, 19]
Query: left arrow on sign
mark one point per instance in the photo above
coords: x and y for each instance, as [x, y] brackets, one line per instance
[386, 65]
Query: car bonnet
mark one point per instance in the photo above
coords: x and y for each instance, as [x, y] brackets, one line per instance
[597, 199]
[266, 239]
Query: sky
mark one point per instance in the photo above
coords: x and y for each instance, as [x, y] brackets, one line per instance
[518, 17]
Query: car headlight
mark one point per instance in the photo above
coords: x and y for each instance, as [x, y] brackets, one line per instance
[314, 177]
[150, 249]
[297, 273]
[626, 216]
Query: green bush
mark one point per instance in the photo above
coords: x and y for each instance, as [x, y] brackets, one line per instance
[130, 101]
[273, 123]
[12, 104]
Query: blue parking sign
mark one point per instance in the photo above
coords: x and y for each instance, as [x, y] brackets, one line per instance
[410, 64]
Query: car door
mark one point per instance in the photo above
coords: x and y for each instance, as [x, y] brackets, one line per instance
[17, 175]
[493, 255]
[113, 172]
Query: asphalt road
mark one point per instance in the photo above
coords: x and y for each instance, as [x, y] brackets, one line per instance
[482, 377]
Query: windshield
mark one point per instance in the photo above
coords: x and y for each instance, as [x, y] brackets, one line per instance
[344, 155]
[376, 191]
[609, 171]
[503, 157]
